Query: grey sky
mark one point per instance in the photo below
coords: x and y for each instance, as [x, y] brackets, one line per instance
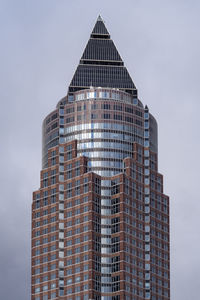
[41, 44]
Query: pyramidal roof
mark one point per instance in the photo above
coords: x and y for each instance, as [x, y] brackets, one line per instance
[100, 27]
[101, 64]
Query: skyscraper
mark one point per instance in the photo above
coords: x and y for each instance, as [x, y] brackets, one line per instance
[100, 220]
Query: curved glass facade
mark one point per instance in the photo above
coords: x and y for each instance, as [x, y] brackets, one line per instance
[100, 120]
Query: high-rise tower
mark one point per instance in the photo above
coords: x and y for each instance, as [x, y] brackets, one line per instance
[100, 220]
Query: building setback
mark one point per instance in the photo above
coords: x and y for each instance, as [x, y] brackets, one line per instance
[100, 220]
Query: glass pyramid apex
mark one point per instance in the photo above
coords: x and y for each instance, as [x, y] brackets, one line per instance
[101, 64]
[100, 28]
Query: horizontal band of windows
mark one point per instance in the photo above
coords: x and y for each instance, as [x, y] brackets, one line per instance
[76, 233]
[49, 239]
[117, 154]
[42, 203]
[47, 273]
[51, 207]
[38, 291]
[46, 233]
[106, 145]
[36, 263]
[45, 278]
[42, 253]
[106, 164]
[110, 126]
[105, 132]
[44, 223]
[96, 134]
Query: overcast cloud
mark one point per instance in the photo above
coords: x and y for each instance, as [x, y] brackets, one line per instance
[41, 44]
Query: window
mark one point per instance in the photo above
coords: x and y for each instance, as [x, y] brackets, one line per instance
[77, 211]
[45, 231]
[37, 290]
[85, 199]
[53, 295]
[53, 209]
[37, 271]
[77, 201]
[37, 215]
[85, 208]
[85, 228]
[77, 250]
[69, 242]
[77, 190]
[45, 240]
[77, 260]
[69, 166]
[77, 241]
[117, 117]
[77, 230]
[53, 199]
[69, 223]
[37, 242]
[77, 221]
[53, 276]
[85, 248]
[86, 267]
[53, 180]
[106, 116]
[53, 161]
[69, 262]
[69, 204]
[37, 204]
[77, 269]
[37, 261]
[85, 218]
[69, 281]
[45, 259]
[69, 291]
[69, 233]
[53, 219]
[69, 271]
[45, 250]
[69, 174]
[53, 238]
[37, 280]
[53, 257]
[77, 289]
[69, 252]
[85, 188]
[77, 279]
[45, 182]
[45, 221]
[85, 238]
[69, 213]
[85, 277]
